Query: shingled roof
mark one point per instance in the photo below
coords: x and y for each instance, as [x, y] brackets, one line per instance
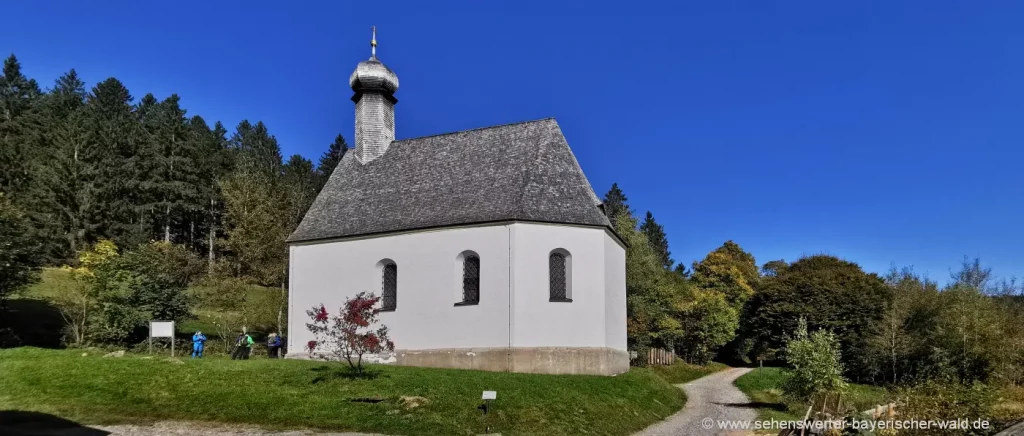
[522, 171]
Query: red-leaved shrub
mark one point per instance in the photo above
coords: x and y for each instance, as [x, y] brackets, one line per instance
[348, 335]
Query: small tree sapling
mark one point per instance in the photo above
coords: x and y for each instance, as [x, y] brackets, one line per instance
[348, 335]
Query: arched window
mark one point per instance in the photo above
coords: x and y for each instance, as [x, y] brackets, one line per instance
[471, 280]
[389, 286]
[467, 268]
[560, 276]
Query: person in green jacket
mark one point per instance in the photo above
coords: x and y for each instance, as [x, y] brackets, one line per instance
[243, 346]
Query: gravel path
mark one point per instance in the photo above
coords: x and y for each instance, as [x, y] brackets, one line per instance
[708, 399]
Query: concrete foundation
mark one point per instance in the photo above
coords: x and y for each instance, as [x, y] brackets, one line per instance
[593, 361]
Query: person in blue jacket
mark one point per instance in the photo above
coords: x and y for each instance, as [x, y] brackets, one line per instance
[198, 341]
[273, 346]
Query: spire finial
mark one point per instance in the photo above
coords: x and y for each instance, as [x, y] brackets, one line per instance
[373, 43]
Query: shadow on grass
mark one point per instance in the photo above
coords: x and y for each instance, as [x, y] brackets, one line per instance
[31, 322]
[779, 407]
[327, 373]
[19, 423]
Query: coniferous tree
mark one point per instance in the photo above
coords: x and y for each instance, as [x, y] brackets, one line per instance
[656, 237]
[615, 203]
[121, 166]
[214, 163]
[681, 270]
[254, 199]
[65, 194]
[19, 252]
[300, 183]
[17, 94]
[257, 149]
[330, 159]
[173, 178]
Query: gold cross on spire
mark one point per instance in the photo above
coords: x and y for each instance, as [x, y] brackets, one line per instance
[373, 43]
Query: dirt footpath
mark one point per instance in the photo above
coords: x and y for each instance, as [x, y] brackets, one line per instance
[709, 401]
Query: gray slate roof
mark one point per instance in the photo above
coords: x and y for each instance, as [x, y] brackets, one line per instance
[522, 171]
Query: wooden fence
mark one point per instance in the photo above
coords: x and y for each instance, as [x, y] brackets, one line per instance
[658, 356]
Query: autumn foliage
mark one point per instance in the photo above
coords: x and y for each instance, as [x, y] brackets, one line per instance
[349, 334]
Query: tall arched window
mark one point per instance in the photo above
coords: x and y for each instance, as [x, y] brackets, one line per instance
[389, 286]
[560, 276]
[467, 268]
[471, 280]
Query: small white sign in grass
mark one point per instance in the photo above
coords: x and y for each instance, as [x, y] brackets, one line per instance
[161, 329]
[490, 395]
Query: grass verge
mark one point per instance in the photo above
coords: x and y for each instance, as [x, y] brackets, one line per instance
[764, 387]
[279, 394]
[682, 372]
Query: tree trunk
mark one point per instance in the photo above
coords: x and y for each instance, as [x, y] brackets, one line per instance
[213, 234]
[167, 224]
[280, 308]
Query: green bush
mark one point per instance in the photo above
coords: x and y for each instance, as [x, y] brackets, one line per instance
[938, 401]
[816, 363]
[144, 284]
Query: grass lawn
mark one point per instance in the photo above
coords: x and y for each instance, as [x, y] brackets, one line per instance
[764, 387]
[682, 372]
[279, 394]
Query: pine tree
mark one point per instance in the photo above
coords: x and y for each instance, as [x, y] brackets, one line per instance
[330, 159]
[257, 149]
[121, 164]
[173, 178]
[66, 177]
[214, 163]
[615, 203]
[656, 237]
[17, 94]
[254, 199]
[300, 183]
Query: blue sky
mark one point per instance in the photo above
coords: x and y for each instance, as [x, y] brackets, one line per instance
[876, 131]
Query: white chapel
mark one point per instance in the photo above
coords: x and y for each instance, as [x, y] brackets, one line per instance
[489, 247]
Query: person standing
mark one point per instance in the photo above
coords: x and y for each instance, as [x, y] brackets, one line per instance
[237, 352]
[246, 346]
[198, 342]
[273, 346]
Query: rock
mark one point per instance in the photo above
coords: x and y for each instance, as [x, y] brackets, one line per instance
[173, 360]
[85, 354]
[118, 353]
[413, 402]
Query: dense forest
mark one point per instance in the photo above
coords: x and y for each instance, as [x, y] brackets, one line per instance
[153, 212]
[80, 167]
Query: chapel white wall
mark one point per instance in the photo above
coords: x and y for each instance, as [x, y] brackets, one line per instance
[540, 323]
[429, 284]
[615, 293]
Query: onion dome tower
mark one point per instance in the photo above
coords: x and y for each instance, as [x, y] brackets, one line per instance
[374, 86]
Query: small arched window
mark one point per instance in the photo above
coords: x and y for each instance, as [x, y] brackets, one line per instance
[471, 280]
[560, 276]
[467, 266]
[389, 286]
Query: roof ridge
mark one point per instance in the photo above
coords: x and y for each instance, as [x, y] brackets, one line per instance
[476, 128]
